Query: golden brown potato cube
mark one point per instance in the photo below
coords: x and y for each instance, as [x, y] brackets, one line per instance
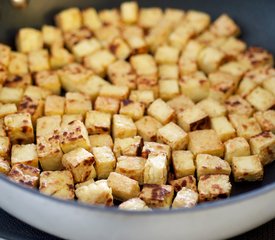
[129, 12]
[168, 89]
[261, 99]
[49, 152]
[237, 105]
[73, 75]
[168, 71]
[58, 184]
[110, 16]
[185, 198]
[266, 120]
[223, 128]
[29, 39]
[132, 167]
[26, 154]
[5, 146]
[195, 86]
[128, 146]
[60, 57]
[264, 146]
[236, 147]
[18, 64]
[80, 162]
[91, 19]
[35, 92]
[181, 35]
[157, 196]
[4, 166]
[25, 174]
[107, 104]
[205, 141]
[123, 126]
[48, 126]
[85, 47]
[247, 168]
[232, 47]
[48, 80]
[19, 128]
[192, 119]
[149, 17]
[212, 187]
[5, 53]
[180, 103]
[98, 122]
[167, 55]
[224, 26]
[269, 85]
[101, 140]
[99, 61]
[207, 164]
[198, 20]
[105, 161]
[121, 73]
[155, 148]
[135, 110]
[98, 193]
[144, 64]
[123, 187]
[134, 204]
[38, 60]
[156, 169]
[54, 105]
[187, 181]
[69, 19]
[161, 111]
[52, 36]
[212, 107]
[172, 135]
[144, 96]
[119, 48]
[74, 135]
[77, 103]
[183, 163]
[147, 128]
[118, 92]
[7, 109]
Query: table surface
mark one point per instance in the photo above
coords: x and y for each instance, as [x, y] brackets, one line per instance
[13, 229]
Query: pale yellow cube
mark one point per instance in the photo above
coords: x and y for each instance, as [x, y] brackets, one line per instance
[143, 96]
[129, 12]
[167, 55]
[26, 154]
[60, 57]
[5, 146]
[168, 71]
[107, 104]
[85, 47]
[261, 99]
[48, 126]
[268, 84]
[54, 105]
[48, 80]
[180, 103]
[185, 198]
[224, 26]
[198, 20]
[52, 36]
[37, 93]
[91, 19]
[29, 39]
[135, 110]
[11, 95]
[237, 105]
[212, 107]
[117, 92]
[18, 63]
[120, 48]
[98, 122]
[149, 17]
[39, 60]
[134, 204]
[77, 103]
[223, 128]
[183, 163]
[7, 109]
[187, 181]
[156, 148]
[168, 89]
[69, 19]
[266, 120]
[123, 126]
[101, 140]
[5, 53]
[144, 64]
[128, 146]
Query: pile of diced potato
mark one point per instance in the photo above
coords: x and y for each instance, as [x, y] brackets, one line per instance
[151, 108]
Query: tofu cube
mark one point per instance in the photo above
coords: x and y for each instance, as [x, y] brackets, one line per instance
[149, 17]
[198, 20]
[48, 80]
[195, 86]
[224, 26]
[5, 53]
[187, 182]
[223, 128]
[37, 93]
[107, 105]
[129, 12]
[25, 154]
[120, 48]
[144, 64]
[54, 105]
[144, 96]
[157, 196]
[134, 204]
[128, 146]
[155, 169]
[2, 128]
[105, 161]
[80, 162]
[98, 122]
[155, 148]
[77, 103]
[168, 71]
[183, 163]
[110, 17]
[161, 111]
[25, 174]
[185, 198]
[4, 166]
[18, 81]
[97, 193]
[18, 64]
[67, 118]
[73, 37]
[117, 92]
[74, 135]
[233, 47]
[212, 187]
[60, 57]
[52, 36]
[266, 120]
[193, 119]
[268, 84]
[85, 47]
[7, 109]
[106, 34]
[123, 126]
[181, 35]
[5, 146]
[167, 55]
[29, 39]
[207, 164]
[205, 141]
[168, 89]
[59, 184]
[39, 60]
[91, 19]
[237, 105]
[261, 99]
[132, 167]
[247, 168]
[48, 126]
[212, 107]
[180, 103]
[148, 83]
[19, 128]
[135, 110]
[69, 19]
[11, 95]
[101, 140]
[123, 188]
[264, 146]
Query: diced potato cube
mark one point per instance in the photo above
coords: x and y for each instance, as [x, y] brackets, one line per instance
[232, 47]
[98, 122]
[123, 187]
[85, 47]
[69, 19]
[74, 135]
[183, 163]
[4, 166]
[48, 80]
[144, 64]
[18, 64]
[52, 36]
[110, 17]
[105, 161]
[7, 109]
[168, 71]
[212, 107]
[223, 128]
[247, 168]
[167, 55]
[58, 184]
[143, 96]
[168, 89]
[54, 105]
[224, 26]
[91, 19]
[269, 85]
[264, 146]
[180, 103]
[181, 35]
[173, 15]
[134, 204]
[35, 92]
[120, 48]
[107, 104]
[5, 146]
[18, 81]
[19, 128]
[149, 17]
[148, 83]
[266, 120]
[132, 167]
[198, 20]
[123, 126]
[118, 92]
[237, 105]
[187, 182]
[205, 141]
[39, 60]
[26, 154]
[106, 34]
[101, 140]
[157, 196]
[29, 39]
[129, 12]
[11, 95]
[135, 110]
[25, 174]
[98, 193]
[212, 187]
[261, 99]
[60, 57]
[67, 118]
[48, 126]
[156, 148]
[77, 103]
[128, 146]
[5, 53]
[185, 198]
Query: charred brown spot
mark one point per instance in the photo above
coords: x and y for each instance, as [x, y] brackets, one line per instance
[70, 187]
[65, 134]
[233, 103]
[217, 187]
[191, 179]
[25, 129]
[205, 177]
[218, 168]
[201, 124]
[265, 134]
[126, 102]
[113, 47]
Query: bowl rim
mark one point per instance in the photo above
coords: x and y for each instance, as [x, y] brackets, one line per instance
[114, 210]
